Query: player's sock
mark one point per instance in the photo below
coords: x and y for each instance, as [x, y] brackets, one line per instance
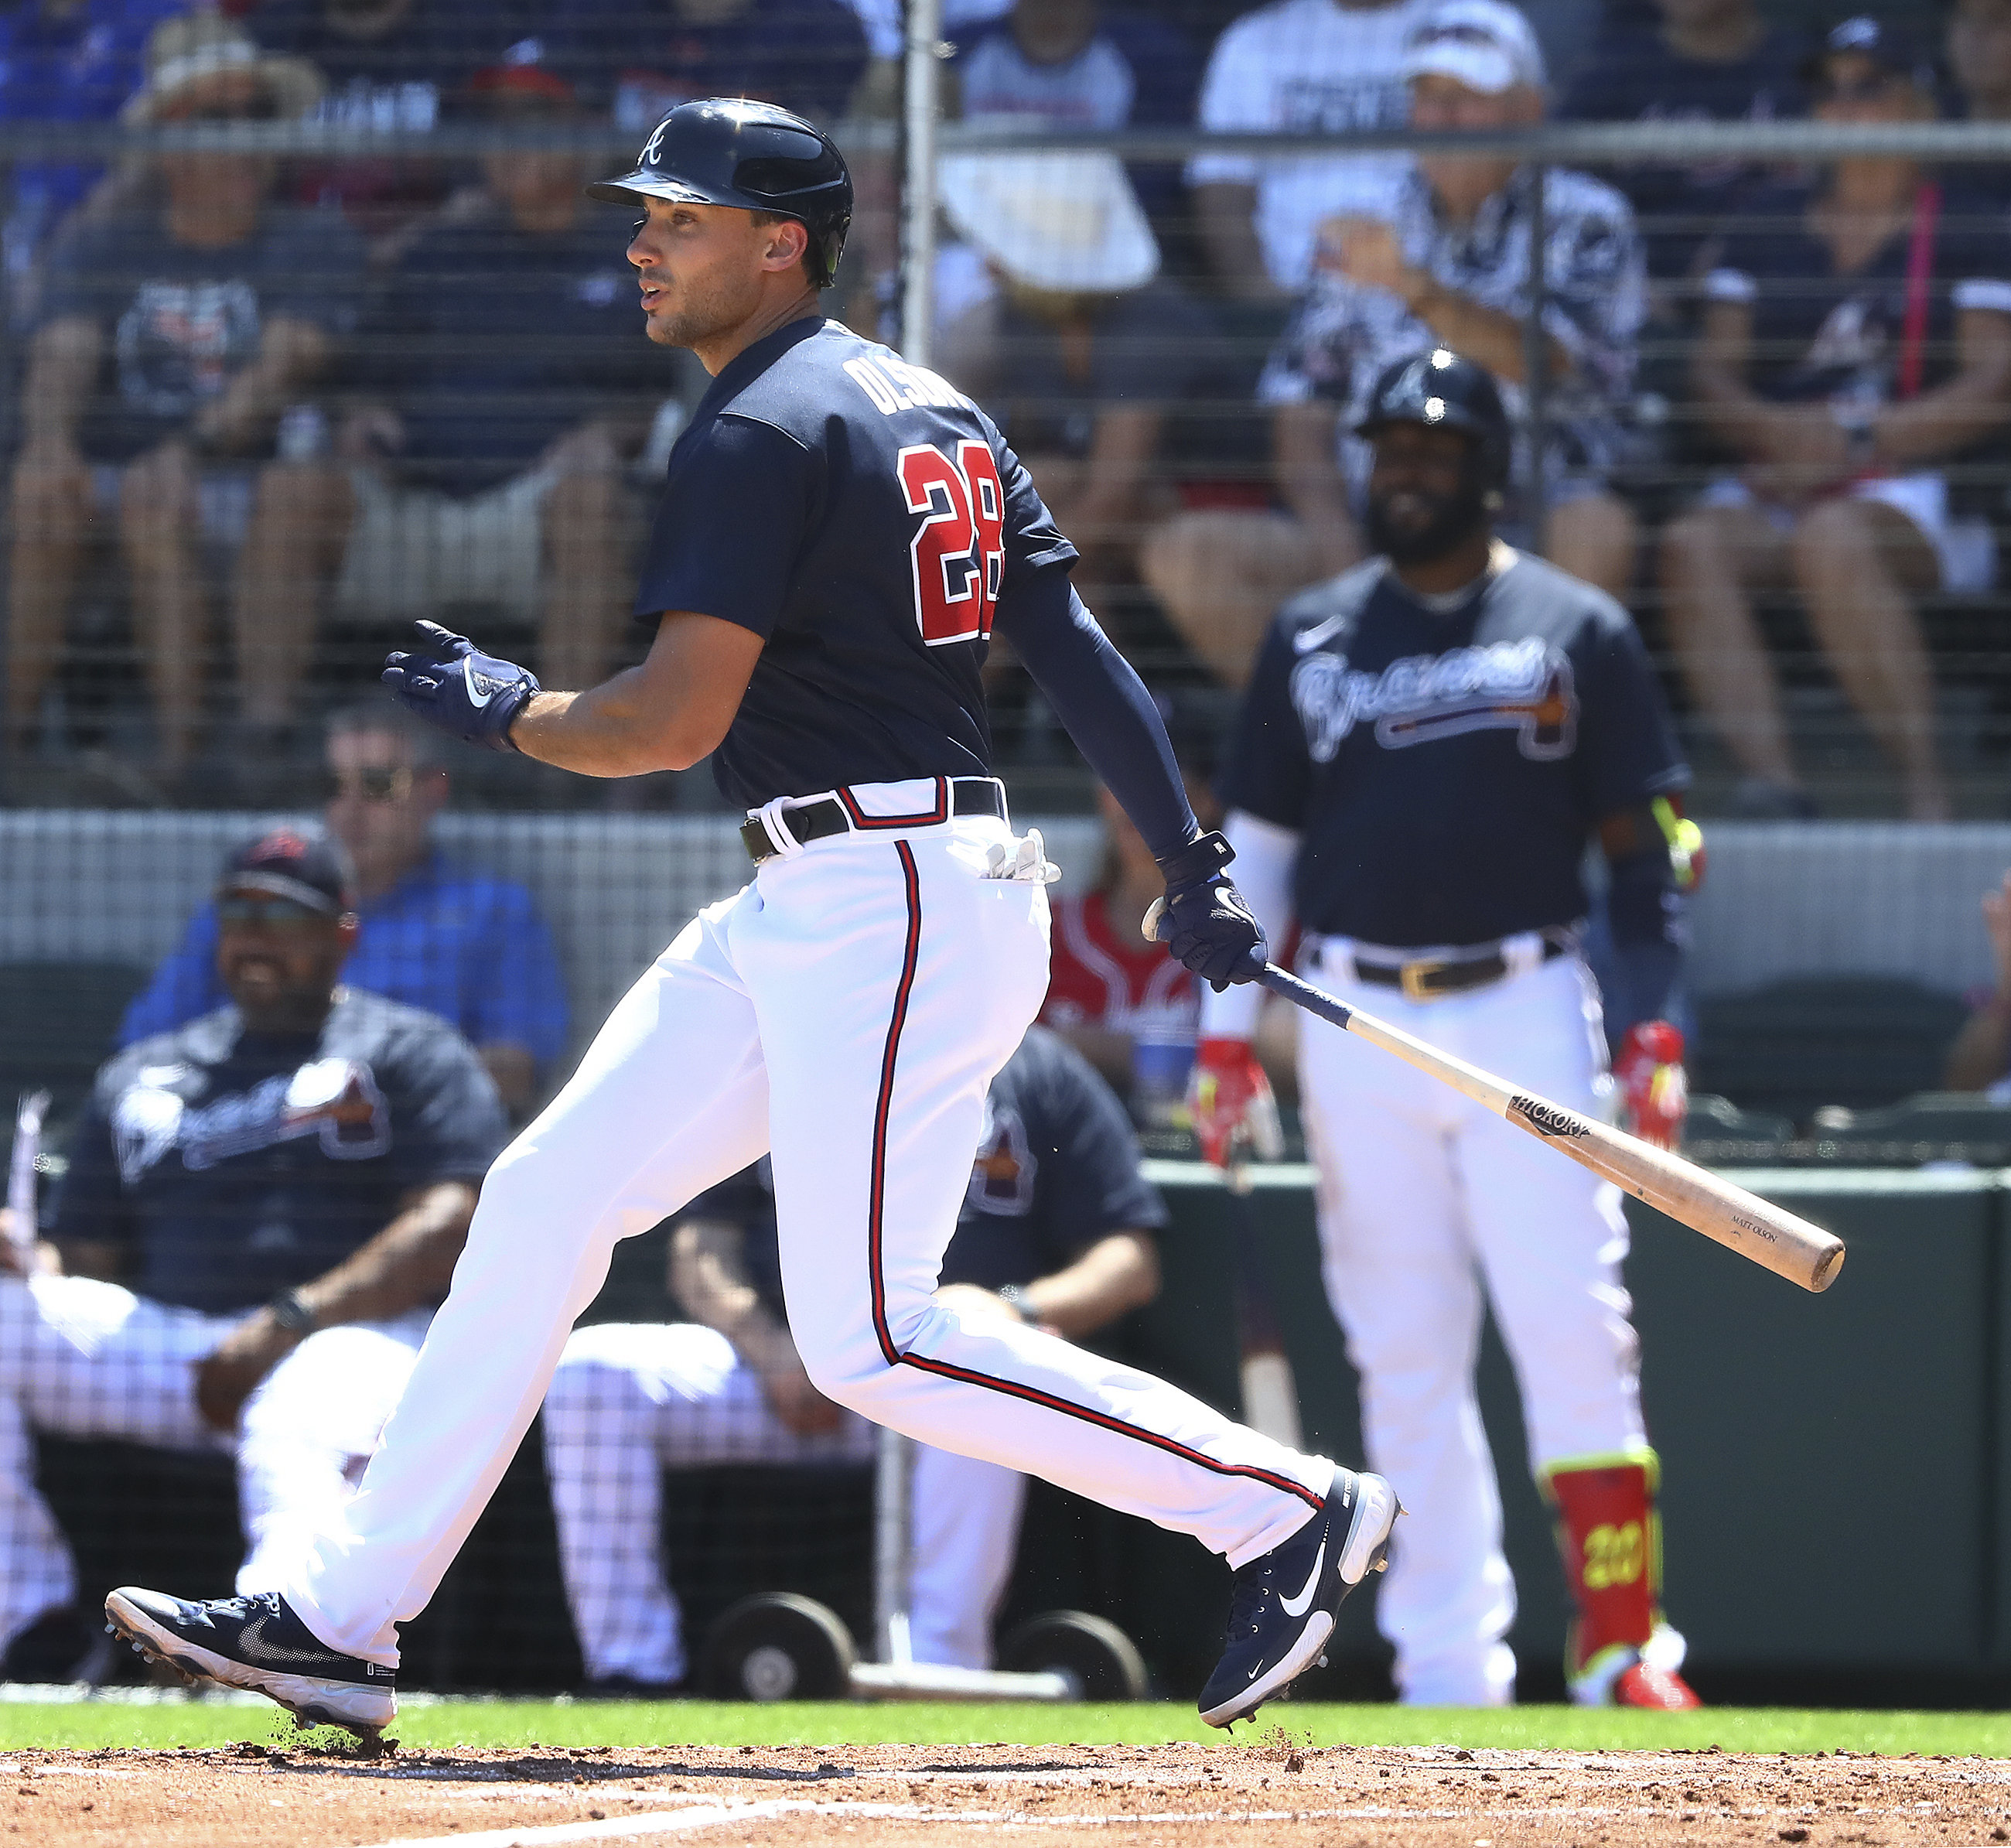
[257, 1643]
[1282, 1604]
[1610, 1536]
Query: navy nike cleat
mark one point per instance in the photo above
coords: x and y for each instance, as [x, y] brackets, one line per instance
[257, 1643]
[1282, 1604]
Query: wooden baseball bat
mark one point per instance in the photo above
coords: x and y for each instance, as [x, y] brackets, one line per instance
[1803, 1253]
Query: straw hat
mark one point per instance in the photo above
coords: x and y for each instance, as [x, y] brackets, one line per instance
[1065, 221]
[193, 48]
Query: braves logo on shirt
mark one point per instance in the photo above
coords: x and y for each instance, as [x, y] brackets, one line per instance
[336, 1099]
[1002, 1175]
[1525, 687]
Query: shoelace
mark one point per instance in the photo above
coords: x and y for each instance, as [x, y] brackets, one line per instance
[250, 1602]
[1246, 1597]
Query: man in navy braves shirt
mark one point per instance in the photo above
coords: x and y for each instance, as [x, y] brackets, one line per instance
[838, 532]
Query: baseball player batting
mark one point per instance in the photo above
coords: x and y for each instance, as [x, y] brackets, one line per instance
[1428, 743]
[838, 532]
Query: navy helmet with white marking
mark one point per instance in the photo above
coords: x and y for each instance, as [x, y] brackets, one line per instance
[1442, 390]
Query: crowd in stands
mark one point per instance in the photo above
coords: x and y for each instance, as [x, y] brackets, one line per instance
[264, 410]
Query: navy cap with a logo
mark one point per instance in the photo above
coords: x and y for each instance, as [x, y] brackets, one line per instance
[311, 869]
[1889, 43]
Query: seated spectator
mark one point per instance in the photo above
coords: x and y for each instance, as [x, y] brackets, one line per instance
[1296, 66]
[1056, 1231]
[638, 59]
[1451, 270]
[1094, 368]
[1979, 56]
[1077, 64]
[484, 470]
[261, 1209]
[63, 61]
[1702, 61]
[388, 64]
[464, 944]
[1981, 1058]
[882, 21]
[171, 337]
[1857, 337]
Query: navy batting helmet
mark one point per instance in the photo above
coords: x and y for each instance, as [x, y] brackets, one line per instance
[1442, 391]
[728, 151]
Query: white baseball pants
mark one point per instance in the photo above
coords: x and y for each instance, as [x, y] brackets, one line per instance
[631, 1399]
[1424, 1196]
[82, 1359]
[845, 1013]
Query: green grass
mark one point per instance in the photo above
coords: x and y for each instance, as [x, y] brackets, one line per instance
[88, 1726]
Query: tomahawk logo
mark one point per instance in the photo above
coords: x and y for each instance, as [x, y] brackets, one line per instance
[1522, 687]
[1546, 1119]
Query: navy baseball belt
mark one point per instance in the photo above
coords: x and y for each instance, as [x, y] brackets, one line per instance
[818, 820]
[1427, 978]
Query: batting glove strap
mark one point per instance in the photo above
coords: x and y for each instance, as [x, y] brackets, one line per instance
[451, 684]
[1203, 921]
[1228, 1097]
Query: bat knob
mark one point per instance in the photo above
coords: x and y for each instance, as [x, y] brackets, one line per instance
[1154, 912]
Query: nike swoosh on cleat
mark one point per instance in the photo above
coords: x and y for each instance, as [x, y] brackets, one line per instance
[467, 674]
[1297, 1607]
[252, 1646]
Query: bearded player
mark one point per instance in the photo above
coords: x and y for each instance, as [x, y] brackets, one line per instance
[838, 533]
[1428, 745]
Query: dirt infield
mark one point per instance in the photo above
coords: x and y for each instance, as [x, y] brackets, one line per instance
[890, 1796]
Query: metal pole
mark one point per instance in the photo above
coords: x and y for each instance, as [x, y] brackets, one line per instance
[1536, 365]
[893, 1551]
[919, 111]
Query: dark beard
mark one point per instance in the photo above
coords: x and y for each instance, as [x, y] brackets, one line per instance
[1455, 521]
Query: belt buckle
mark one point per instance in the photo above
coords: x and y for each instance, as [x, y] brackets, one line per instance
[1413, 977]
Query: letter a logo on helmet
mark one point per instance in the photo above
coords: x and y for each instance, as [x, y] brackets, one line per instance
[726, 151]
[1443, 390]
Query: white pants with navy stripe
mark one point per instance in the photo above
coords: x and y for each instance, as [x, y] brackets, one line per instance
[1425, 1197]
[631, 1399]
[846, 1014]
[83, 1358]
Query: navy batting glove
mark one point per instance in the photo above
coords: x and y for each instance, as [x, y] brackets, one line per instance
[1203, 920]
[451, 683]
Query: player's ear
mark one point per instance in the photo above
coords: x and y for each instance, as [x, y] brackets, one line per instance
[788, 240]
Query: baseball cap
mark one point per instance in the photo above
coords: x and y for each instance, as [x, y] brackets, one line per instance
[311, 869]
[1485, 45]
[1890, 44]
[521, 71]
[1068, 222]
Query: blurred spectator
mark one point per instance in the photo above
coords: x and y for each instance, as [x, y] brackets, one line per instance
[63, 61]
[1705, 60]
[464, 944]
[260, 1210]
[637, 59]
[1082, 353]
[1076, 64]
[1857, 333]
[172, 338]
[1452, 270]
[484, 462]
[882, 19]
[1981, 1058]
[388, 64]
[1979, 54]
[1055, 1231]
[1305, 66]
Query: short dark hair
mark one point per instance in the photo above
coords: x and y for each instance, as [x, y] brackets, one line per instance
[809, 243]
[386, 718]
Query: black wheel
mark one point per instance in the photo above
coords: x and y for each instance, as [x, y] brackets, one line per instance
[779, 1647]
[1101, 1658]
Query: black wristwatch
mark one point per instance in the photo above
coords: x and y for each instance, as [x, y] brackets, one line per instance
[291, 1312]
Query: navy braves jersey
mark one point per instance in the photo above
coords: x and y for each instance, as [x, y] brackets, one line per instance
[225, 1165]
[1445, 766]
[867, 520]
[1056, 1169]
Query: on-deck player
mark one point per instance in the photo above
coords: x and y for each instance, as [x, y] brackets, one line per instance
[1428, 743]
[838, 533]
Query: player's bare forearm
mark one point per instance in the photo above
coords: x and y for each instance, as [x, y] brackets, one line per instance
[668, 713]
[708, 1277]
[1120, 1273]
[1982, 1050]
[410, 1262]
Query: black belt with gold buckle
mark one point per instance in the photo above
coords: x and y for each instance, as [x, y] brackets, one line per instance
[1427, 980]
[818, 820]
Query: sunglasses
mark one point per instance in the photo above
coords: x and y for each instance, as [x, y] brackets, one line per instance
[272, 914]
[374, 782]
[260, 109]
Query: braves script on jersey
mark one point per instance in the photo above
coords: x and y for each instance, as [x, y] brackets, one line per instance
[1445, 766]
